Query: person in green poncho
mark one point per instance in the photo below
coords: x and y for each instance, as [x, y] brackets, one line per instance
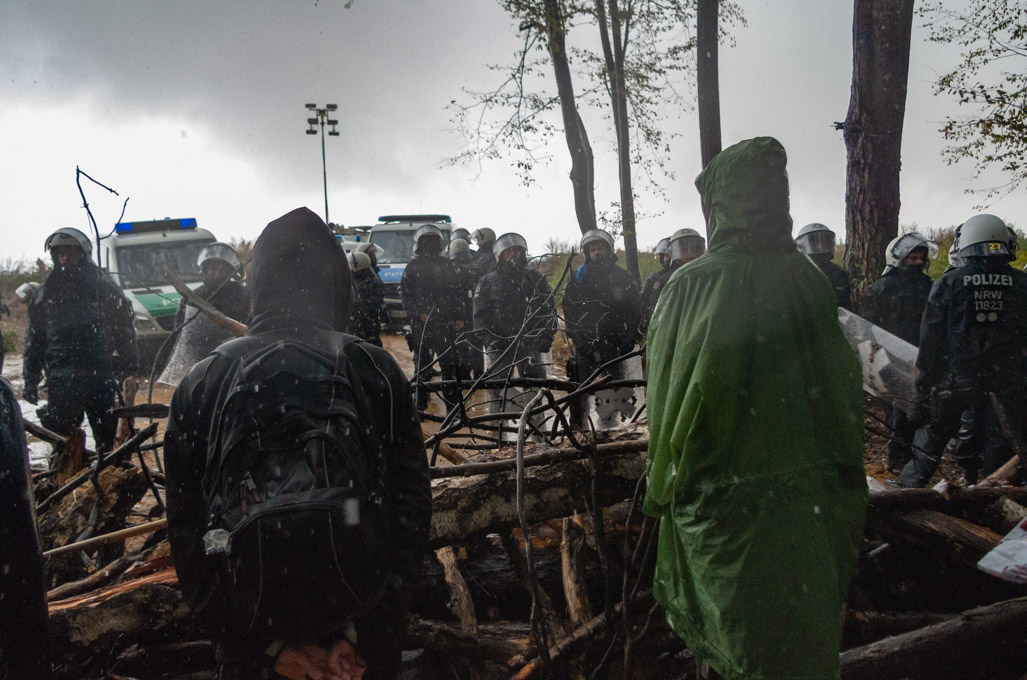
[756, 437]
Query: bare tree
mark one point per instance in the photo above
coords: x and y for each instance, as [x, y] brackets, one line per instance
[873, 133]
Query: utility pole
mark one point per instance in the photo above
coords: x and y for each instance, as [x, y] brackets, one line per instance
[321, 117]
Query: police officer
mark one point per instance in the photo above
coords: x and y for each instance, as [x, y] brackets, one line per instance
[972, 342]
[683, 246]
[485, 239]
[654, 282]
[80, 335]
[372, 250]
[602, 310]
[470, 360]
[428, 290]
[895, 302]
[515, 311]
[460, 233]
[818, 242]
[369, 306]
[221, 268]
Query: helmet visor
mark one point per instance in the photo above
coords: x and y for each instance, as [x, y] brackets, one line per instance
[817, 243]
[687, 249]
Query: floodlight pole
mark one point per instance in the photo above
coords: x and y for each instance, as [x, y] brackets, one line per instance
[322, 118]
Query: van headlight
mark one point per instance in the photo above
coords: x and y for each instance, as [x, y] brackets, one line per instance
[144, 324]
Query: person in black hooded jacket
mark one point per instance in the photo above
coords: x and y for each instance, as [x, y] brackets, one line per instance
[896, 302]
[80, 335]
[301, 290]
[24, 641]
[602, 309]
[434, 304]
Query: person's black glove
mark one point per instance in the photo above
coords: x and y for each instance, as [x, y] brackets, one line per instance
[31, 393]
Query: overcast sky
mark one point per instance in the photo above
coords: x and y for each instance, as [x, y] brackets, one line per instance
[196, 109]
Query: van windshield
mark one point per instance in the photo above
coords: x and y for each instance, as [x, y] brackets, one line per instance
[139, 266]
[398, 246]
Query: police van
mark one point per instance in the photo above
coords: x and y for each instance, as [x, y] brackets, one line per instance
[394, 234]
[134, 256]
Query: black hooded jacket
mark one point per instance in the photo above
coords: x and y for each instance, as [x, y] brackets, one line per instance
[510, 298]
[430, 287]
[369, 305]
[974, 330]
[80, 325]
[895, 302]
[602, 308]
[301, 290]
[838, 278]
[24, 642]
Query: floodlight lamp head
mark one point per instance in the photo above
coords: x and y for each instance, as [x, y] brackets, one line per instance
[311, 106]
[332, 107]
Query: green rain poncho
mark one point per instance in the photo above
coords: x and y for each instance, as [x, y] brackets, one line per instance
[755, 455]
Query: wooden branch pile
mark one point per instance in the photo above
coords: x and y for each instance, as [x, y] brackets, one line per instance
[918, 606]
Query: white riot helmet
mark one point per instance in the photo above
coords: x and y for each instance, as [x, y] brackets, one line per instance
[427, 231]
[219, 251]
[27, 292]
[984, 236]
[506, 241]
[955, 259]
[69, 236]
[368, 247]
[595, 235]
[485, 235]
[458, 245]
[901, 246]
[686, 245]
[359, 261]
[816, 239]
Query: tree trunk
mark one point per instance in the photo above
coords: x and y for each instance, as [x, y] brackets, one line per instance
[582, 164]
[613, 51]
[873, 133]
[708, 79]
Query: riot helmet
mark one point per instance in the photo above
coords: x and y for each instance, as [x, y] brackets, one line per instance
[484, 238]
[901, 246]
[955, 259]
[359, 261]
[372, 249]
[458, 245]
[662, 251]
[461, 233]
[686, 245]
[984, 236]
[428, 240]
[509, 240]
[69, 236]
[218, 251]
[597, 236]
[816, 239]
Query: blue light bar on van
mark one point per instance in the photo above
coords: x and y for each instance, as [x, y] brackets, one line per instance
[415, 218]
[155, 225]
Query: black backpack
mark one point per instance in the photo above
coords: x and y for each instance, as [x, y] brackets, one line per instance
[295, 493]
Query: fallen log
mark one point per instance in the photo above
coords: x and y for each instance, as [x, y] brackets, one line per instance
[942, 647]
[543, 458]
[160, 660]
[573, 555]
[71, 458]
[946, 536]
[466, 508]
[862, 628]
[494, 642]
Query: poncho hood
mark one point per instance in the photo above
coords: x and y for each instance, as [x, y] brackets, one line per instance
[744, 193]
[299, 275]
